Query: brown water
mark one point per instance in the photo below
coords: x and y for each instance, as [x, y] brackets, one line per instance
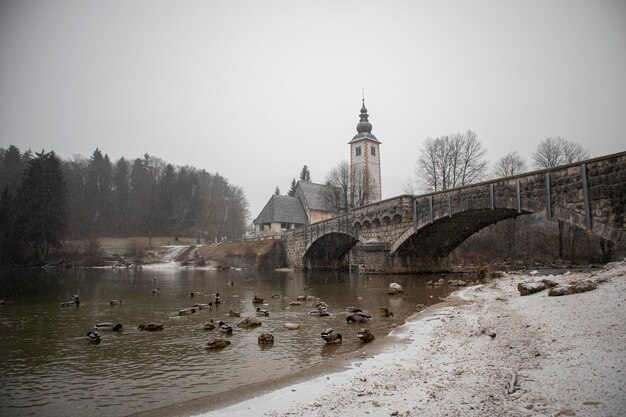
[47, 366]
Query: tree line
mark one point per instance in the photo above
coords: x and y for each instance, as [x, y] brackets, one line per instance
[46, 200]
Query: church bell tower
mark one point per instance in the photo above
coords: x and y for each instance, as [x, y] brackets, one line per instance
[365, 184]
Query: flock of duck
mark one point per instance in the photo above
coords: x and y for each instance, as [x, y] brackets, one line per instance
[329, 335]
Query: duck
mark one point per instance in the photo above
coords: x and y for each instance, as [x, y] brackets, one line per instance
[262, 312]
[353, 310]
[233, 313]
[217, 299]
[186, 311]
[156, 291]
[257, 300]
[151, 327]
[109, 326]
[93, 337]
[358, 317]
[217, 344]
[69, 303]
[115, 302]
[209, 325]
[203, 306]
[224, 328]
[320, 312]
[365, 335]
[330, 336]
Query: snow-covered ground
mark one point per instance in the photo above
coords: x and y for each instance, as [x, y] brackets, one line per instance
[566, 354]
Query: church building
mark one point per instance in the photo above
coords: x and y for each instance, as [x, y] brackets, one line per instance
[314, 202]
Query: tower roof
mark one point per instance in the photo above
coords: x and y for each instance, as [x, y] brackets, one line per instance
[364, 127]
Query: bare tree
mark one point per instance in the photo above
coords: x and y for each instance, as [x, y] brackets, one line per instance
[339, 178]
[361, 187]
[553, 152]
[450, 161]
[510, 164]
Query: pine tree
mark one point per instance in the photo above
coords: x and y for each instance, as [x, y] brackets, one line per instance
[42, 215]
[305, 174]
[292, 190]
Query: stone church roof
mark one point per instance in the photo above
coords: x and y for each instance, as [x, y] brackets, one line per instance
[282, 209]
[315, 196]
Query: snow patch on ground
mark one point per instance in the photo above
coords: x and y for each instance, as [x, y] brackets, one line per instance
[566, 354]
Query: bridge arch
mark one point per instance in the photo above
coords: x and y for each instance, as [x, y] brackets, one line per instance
[437, 238]
[329, 250]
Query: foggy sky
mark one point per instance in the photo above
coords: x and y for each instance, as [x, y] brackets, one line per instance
[256, 89]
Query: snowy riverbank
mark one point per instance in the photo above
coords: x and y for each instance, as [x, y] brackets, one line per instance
[567, 355]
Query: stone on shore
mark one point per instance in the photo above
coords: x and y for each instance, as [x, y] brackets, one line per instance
[526, 288]
[394, 288]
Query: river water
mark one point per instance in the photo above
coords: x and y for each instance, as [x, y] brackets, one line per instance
[48, 368]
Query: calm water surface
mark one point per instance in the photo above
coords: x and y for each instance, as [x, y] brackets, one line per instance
[47, 367]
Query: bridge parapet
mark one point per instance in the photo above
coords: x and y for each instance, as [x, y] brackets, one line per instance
[590, 195]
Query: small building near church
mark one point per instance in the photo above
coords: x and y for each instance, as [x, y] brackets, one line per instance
[279, 214]
[319, 201]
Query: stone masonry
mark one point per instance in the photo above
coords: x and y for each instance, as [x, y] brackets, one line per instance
[409, 233]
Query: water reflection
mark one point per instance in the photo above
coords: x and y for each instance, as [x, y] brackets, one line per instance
[48, 367]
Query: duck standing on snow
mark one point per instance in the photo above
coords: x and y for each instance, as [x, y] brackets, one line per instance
[225, 328]
[330, 336]
[358, 317]
[109, 326]
[261, 312]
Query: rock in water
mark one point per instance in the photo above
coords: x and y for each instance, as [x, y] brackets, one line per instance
[248, 322]
[526, 288]
[266, 339]
[394, 288]
[292, 326]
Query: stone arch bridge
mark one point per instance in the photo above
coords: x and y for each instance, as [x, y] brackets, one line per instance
[411, 232]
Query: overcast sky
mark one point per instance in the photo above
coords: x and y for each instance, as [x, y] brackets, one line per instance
[256, 89]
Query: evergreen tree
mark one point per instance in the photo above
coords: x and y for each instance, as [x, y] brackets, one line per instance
[42, 215]
[121, 197]
[305, 174]
[292, 189]
[98, 193]
[277, 190]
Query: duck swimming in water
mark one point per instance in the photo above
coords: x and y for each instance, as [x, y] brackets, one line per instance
[320, 312]
[115, 302]
[93, 337]
[330, 336]
[151, 327]
[209, 325]
[257, 300]
[224, 328]
[217, 299]
[262, 312]
[358, 317]
[115, 327]
[217, 344]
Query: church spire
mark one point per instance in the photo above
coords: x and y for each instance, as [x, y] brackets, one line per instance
[364, 125]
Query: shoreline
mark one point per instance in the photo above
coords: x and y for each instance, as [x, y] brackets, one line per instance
[564, 355]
